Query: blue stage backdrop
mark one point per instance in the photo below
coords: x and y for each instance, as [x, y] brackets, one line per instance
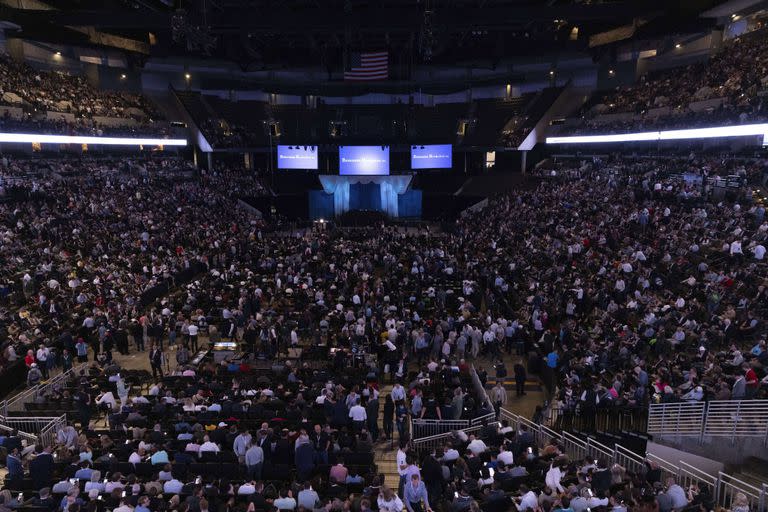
[366, 193]
[320, 205]
[409, 204]
[365, 196]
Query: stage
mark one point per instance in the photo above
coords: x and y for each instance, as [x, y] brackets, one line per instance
[390, 195]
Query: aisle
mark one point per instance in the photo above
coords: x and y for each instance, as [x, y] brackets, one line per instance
[386, 452]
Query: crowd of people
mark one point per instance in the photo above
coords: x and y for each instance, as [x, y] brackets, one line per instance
[63, 92]
[648, 290]
[651, 289]
[39, 92]
[736, 74]
[92, 237]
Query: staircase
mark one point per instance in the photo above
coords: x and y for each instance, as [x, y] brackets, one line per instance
[754, 471]
[386, 452]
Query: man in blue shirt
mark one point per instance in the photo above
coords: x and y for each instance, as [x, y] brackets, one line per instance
[85, 471]
[552, 359]
[159, 457]
[416, 499]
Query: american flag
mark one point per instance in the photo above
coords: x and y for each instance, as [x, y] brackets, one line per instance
[368, 66]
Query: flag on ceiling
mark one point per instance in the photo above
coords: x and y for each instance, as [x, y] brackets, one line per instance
[368, 66]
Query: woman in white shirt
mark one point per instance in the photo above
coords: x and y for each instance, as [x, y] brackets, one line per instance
[554, 475]
[388, 501]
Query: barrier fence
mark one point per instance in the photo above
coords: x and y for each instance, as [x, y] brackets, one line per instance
[36, 429]
[721, 418]
[421, 428]
[613, 419]
[16, 403]
[723, 486]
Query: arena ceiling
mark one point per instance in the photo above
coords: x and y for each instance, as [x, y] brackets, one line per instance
[263, 34]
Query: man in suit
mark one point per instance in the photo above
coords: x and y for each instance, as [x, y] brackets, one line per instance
[41, 468]
[156, 361]
[305, 460]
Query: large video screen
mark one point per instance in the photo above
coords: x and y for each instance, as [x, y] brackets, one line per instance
[297, 157]
[363, 160]
[433, 156]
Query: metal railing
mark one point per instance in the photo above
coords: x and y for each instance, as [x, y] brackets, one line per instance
[16, 403]
[36, 429]
[629, 460]
[610, 419]
[48, 433]
[430, 428]
[421, 428]
[682, 418]
[688, 475]
[728, 487]
[724, 487]
[721, 418]
[431, 443]
[30, 438]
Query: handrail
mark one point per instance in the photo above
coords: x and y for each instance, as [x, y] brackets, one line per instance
[422, 428]
[728, 486]
[724, 486]
[16, 403]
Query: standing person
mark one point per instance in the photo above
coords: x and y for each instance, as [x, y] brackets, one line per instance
[520, 378]
[122, 391]
[254, 460]
[42, 355]
[66, 361]
[193, 330]
[83, 400]
[388, 416]
[498, 397]
[401, 415]
[82, 350]
[137, 331]
[34, 375]
[372, 413]
[156, 361]
[401, 459]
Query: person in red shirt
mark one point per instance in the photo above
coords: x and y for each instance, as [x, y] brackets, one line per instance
[752, 382]
[29, 358]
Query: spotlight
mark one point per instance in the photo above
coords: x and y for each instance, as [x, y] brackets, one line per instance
[611, 72]
[187, 76]
[58, 54]
[678, 46]
[123, 76]
[551, 72]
